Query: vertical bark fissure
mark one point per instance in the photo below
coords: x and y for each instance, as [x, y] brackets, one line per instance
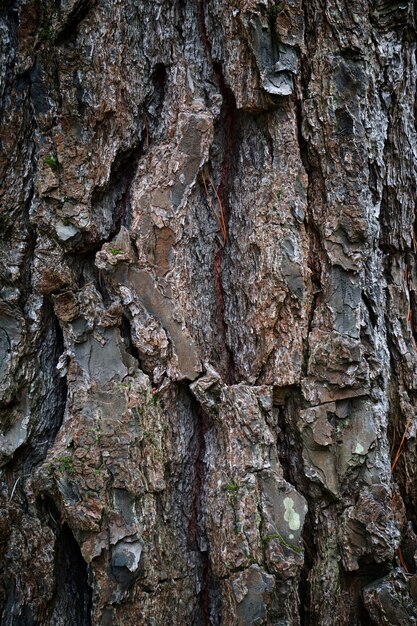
[225, 126]
[207, 599]
[316, 260]
[225, 129]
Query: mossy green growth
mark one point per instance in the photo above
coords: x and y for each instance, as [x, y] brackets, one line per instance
[96, 434]
[149, 438]
[231, 488]
[65, 464]
[282, 541]
[47, 33]
[51, 161]
[115, 251]
[275, 10]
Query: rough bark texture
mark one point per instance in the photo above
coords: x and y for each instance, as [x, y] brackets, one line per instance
[208, 320]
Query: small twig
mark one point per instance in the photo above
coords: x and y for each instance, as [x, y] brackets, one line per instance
[403, 563]
[52, 517]
[14, 488]
[210, 202]
[219, 216]
[397, 456]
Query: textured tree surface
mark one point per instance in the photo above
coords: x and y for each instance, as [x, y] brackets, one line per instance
[208, 315]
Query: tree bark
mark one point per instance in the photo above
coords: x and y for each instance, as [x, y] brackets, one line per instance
[208, 315]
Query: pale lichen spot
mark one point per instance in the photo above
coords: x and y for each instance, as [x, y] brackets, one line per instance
[359, 448]
[291, 516]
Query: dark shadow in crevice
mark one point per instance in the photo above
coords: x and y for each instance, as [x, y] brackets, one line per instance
[68, 32]
[287, 402]
[126, 335]
[47, 408]
[114, 197]
[72, 602]
[371, 311]
[310, 552]
[413, 313]
[86, 271]
[355, 582]
[48, 512]
[155, 102]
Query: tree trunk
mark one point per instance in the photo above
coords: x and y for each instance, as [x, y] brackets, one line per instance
[209, 313]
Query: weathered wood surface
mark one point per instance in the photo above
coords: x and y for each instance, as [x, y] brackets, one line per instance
[208, 315]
